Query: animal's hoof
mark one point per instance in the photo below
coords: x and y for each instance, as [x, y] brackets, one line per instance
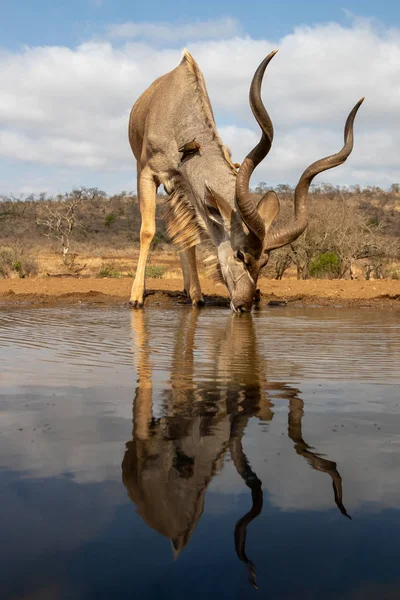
[198, 303]
[135, 304]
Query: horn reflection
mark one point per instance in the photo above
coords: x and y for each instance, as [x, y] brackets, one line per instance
[171, 460]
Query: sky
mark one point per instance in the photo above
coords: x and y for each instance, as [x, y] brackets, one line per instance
[70, 72]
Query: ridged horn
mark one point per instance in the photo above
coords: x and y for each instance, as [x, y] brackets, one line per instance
[291, 232]
[246, 206]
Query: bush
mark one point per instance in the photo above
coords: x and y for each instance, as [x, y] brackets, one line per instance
[14, 263]
[325, 265]
[109, 270]
[373, 222]
[6, 262]
[155, 271]
[159, 238]
[17, 266]
[110, 219]
[30, 266]
[393, 274]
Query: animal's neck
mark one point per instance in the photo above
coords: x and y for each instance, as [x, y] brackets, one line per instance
[186, 222]
[210, 166]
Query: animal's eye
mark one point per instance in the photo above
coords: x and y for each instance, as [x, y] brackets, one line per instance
[240, 256]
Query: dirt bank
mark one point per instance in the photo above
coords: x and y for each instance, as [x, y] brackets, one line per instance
[66, 290]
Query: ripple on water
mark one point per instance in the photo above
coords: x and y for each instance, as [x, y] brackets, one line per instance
[294, 343]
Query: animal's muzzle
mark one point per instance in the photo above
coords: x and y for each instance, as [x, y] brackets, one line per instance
[241, 307]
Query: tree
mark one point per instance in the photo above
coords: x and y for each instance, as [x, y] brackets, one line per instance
[62, 219]
[342, 229]
[261, 188]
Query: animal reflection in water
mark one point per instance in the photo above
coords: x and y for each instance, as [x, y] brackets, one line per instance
[171, 460]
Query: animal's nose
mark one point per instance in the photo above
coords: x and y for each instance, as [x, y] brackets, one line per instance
[243, 307]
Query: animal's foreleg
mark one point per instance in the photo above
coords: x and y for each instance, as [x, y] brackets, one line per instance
[147, 203]
[185, 271]
[194, 289]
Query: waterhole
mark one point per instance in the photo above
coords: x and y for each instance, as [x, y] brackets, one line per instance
[178, 453]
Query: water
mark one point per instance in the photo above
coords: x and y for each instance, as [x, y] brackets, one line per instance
[174, 453]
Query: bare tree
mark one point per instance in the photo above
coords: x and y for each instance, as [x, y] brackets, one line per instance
[339, 227]
[62, 219]
[282, 260]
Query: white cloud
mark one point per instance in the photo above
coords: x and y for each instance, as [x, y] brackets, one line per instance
[239, 140]
[225, 27]
[68, 109]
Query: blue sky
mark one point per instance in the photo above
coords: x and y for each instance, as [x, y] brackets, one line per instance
[48, 22]
[71, 71]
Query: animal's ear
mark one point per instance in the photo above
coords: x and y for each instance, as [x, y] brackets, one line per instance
[269, 208]
[218, 209]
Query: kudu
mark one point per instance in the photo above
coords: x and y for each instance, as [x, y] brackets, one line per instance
[208, 197]
[171, 460]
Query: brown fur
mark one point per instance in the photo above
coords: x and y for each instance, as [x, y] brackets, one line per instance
[199, 87]
[183, 226]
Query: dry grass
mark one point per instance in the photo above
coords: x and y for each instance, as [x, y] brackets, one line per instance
[172, 274]
[122, 263]
[110, 231]
[110, 264]
[16, 263]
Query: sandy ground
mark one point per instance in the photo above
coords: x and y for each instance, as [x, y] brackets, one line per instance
[59, 291]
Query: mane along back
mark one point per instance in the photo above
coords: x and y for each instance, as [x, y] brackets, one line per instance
[199, 86]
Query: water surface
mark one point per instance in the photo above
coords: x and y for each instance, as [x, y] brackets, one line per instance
[175, 453]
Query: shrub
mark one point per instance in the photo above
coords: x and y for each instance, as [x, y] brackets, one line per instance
[6, 261]
[17, 266]
[109, 270]
[325, 265]
[159, 238]
[14, 262]
[155, 271]
[393, 274]
[30, 266]
[110, 219]
[152, 271]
